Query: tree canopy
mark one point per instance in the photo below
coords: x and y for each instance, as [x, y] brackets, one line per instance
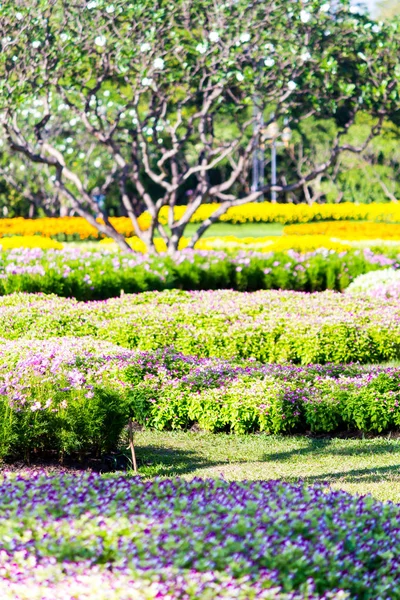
[142, 92]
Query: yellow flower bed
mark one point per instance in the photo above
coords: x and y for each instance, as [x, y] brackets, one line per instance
[263, 244]
[265, 212]
[346, 230]
[261, 212]
[69, 227]
[29, 241]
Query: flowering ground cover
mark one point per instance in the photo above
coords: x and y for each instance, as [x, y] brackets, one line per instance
[384, 283]
[101, 272]
[179, 539]
[74, 396]
[270, 326]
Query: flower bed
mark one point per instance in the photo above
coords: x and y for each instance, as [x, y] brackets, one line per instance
[74, 396]
[103, 272]
[270, 326]
[346, 230]
[65, 535]
[383, 284]
[77, 228]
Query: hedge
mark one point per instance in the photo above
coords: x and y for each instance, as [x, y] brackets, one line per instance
[75, 396]
[103, 273]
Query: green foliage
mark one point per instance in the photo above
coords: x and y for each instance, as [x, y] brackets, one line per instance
[96, 100]
[276, 401]
[98, 275]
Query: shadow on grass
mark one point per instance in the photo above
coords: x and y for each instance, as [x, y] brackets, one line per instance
[327, 447]
[165, 462]
[368, 475]
[155, 460]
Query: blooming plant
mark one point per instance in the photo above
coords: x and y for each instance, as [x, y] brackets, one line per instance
[103, 272]
[384, 283]
[64, 535]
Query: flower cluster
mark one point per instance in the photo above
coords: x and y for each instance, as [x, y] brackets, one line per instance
[260, 244]
[77, 228]
[384, 283]
[66, 535]
[102, 271]
[266, 212]
[347, 230]
[270, 326]
[62, 228]
[52, 394]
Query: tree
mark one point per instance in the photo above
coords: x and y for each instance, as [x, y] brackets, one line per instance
[140, 93]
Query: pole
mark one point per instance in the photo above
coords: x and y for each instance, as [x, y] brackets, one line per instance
[273, 170]
[254, 184]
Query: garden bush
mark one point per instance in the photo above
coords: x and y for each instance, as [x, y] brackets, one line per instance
[172, 391]
[383, 284]
[100, 273]
[54, 398]
[270, 326]
[63, 536]
[75, 398]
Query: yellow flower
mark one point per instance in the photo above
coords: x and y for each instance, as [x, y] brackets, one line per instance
[346, 230]
[29, 241]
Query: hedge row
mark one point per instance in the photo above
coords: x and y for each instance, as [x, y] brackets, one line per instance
[76, 398]
[105, 273]
[270, 326]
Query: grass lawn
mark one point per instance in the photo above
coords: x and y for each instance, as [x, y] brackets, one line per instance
[241, 231]
[359, 466]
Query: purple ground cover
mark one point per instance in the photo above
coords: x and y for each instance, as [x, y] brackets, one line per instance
[206, 539]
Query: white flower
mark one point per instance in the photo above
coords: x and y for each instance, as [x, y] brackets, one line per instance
[92, 4]
[376, 28]
[201, 48]
[81, 155]
[97, 163]
[239, 76]
[100, 40]
[355, 10]
[245, 37]
[305, 55]
[106, 93]
[70, 151]
[22, 168]
[158, 63]
[270, 47]
[292, 85]
[304, 16]
[147, 81]
[69, 140]
[145, 47]
[325, 7]
[73, 122]
[35, 44]
[214, 36]
[269, 62]
[19, 16]
[110, 9]
[63, 37]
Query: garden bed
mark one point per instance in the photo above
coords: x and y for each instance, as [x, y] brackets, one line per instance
[208, 539]
[98, 272]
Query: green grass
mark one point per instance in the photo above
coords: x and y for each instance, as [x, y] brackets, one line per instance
[360, 466]
[241, 231]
